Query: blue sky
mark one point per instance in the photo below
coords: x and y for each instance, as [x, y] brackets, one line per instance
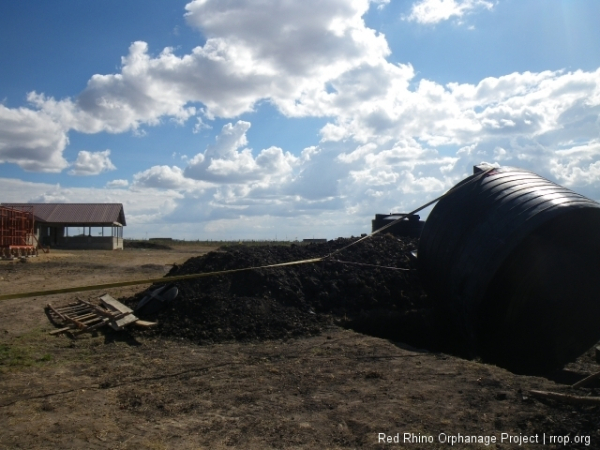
[214, 119]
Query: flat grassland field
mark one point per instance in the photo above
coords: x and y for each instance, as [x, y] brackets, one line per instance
[336, 390]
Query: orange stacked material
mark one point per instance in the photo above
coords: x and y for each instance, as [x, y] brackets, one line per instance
[16, 232]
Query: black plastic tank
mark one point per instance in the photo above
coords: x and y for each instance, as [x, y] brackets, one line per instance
[513, 262]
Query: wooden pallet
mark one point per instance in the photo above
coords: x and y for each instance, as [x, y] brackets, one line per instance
[82, 316]
[122, 315]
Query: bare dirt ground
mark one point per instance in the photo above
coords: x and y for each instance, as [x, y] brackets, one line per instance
[337, 390]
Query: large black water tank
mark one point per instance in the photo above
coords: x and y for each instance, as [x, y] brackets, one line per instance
[513, 260]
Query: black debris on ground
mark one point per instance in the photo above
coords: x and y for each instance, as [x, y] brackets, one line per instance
[300, 300]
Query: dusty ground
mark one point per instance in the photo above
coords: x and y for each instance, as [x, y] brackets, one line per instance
[340, 389]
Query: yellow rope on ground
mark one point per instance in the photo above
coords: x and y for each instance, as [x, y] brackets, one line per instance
[150, 280]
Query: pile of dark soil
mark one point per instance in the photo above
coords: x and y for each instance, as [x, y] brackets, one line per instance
[301, 300]
[144, 244]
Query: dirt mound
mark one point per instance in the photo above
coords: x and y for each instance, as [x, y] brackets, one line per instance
[301, 300]
[145, 244]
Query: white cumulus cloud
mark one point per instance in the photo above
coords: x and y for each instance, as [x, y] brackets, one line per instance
[162, 177]
[117, 184]
[434, 11]
[32, 140]
[229, 161]
[284, 52]
[92, 163]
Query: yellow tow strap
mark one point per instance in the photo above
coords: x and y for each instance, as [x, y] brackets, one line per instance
[151, 280]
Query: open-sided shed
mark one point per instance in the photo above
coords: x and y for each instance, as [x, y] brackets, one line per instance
[77, 225]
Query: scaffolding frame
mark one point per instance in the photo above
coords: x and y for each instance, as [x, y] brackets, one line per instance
[16, 232]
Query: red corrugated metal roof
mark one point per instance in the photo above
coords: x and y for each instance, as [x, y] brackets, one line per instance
[76, 213]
